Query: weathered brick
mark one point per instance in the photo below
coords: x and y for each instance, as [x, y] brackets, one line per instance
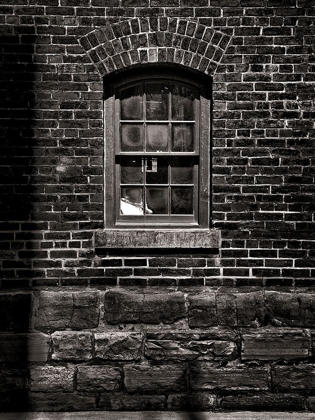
[275, 344]
[70, 345]
[154, 378]
[126, 306]
[75, 310]
[98, 378]
[132, 402]
[118, 345]
[61, 401]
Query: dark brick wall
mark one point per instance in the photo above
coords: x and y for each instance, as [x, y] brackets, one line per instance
[223, 328]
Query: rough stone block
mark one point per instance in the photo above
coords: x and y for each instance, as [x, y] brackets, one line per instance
[275, 344]
[125, 306]
[202, 311]
[13, 378]
[282, 308]
[118, 345]
[250, 309]
[307, 309]
[206, 376]
[98, 378]
[51, 378]
[287, 378]
[226, 309]
[72, 345]
[154, 378]
[24, 347]
[188, 346]
[200, 401]
[15, 311]
[263, 402]
[120, 401]
[59, 401]
[61, 310]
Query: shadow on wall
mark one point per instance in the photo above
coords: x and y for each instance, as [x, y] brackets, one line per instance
[16, 154]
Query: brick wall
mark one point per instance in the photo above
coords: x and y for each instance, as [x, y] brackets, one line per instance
[224, 328]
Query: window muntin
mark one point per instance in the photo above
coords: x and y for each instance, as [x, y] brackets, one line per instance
[157, 152]
[133, 165]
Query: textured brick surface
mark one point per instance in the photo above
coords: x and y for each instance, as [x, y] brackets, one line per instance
[118, 345]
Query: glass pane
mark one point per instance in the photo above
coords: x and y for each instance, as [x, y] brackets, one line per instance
[182, 201]
[183, 138]
[157, 137]
[131, 170]
[182, 171]
[131, 137]
[157, 200]
[156, 170]
[157, 101]
[131, 103]
[131, 202]
[183, 103]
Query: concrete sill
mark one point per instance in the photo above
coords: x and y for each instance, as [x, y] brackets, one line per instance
[154, 239]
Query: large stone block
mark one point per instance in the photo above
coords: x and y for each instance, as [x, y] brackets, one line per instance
[202, 310]
[250, 309]
[283, 308]
[61, 310]
[118, 345]
[125, 306]
[123, 401]
[189, 346]
[59, 401]
[287, 378]
[199, 401]
[263, 402]
[31, 347]
[72, 345]
[275, 344]
[206, 376]
[15, 311]
[154, 378]
[13, 378]
[307, 309]
[52, 378]
[226, 309]
[98, 378]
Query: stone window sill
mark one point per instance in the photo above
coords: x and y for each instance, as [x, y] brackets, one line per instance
[155, 239]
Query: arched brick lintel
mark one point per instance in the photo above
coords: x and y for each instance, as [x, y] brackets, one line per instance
[160, 40]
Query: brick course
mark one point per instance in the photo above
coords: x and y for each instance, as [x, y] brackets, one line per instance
[223, 323]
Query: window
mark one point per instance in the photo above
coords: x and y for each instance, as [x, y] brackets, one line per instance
[157, 151]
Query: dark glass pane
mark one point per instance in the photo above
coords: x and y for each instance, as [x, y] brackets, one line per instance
[182, 170]
[182, 201]
[131, 103]
[131, 170]
[157, 200]
[183, 138]
[131, 202]
[157, 137]
[131, 137]
[157, 101]
[156, 170]
[183, 103]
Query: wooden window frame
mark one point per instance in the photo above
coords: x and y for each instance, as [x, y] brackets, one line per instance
[112, 219]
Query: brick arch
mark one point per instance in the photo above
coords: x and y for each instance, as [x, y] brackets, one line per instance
[155, 40]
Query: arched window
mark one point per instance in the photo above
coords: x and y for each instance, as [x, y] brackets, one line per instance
[157, 150]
